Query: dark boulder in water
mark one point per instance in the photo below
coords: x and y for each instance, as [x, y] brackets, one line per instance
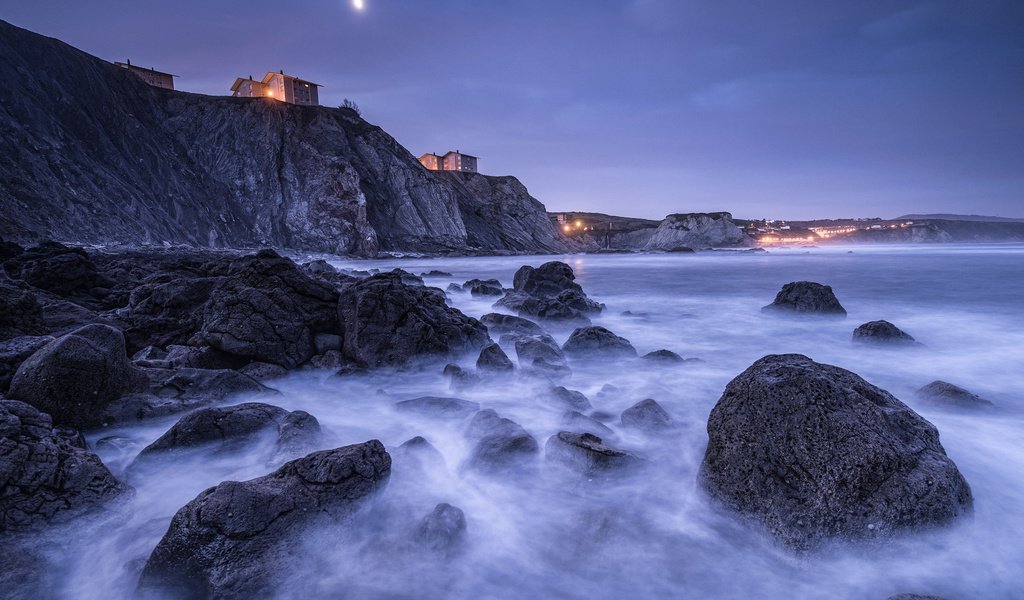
[234, 539]
[268, 309]
[44, 475]
[297, 434]
[435, 273]
[549, 292]
[77, 376]
[436, 406]
[647, 415]
[501, 444]
[419, 453]
[498, 324]
[663, 356]
[587, 453]
[459, 378]
[806, 297]
[882, 333]
[443, 531]
[597, 342]
[530, 347]
[389, 323]
[576, 421]
[261, 371]
[567, 398]
[813, 452]
[492, 358]
[217, 428]
[483, 287]
[946, 395]
[915, 597]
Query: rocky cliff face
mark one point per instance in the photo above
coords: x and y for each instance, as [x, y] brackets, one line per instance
[91, 154]
[691, 230]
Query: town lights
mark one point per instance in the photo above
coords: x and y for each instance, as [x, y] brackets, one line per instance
[567, 229]
[579, 224]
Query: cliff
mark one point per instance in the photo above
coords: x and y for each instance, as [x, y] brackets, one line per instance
[942, 231]
[690, 230]
[91, 154]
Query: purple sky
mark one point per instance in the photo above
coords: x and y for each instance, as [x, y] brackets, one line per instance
[790, 109]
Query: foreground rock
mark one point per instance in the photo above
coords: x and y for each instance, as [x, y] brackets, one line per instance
[235, 539]
[597, 342]
[77, 376]
[541, 354]
[14, 351]
[946, 395]
[492, 358]
[813, 452]
[498, 324]
[806, 297]
[647, 415]
[882, 333]
[437, 406]
[45, 476]
[389, 323]
[443, 531]
[549, 292]
[587, 454]
[501, 444]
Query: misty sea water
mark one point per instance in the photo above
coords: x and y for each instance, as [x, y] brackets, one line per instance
[655, 535]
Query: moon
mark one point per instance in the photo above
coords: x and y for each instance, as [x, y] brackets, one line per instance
[358, 4]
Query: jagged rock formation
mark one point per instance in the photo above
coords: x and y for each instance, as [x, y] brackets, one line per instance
[674, 232]
[89, 153]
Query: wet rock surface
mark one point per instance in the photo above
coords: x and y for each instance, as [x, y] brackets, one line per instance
[572, 399]
[443, 531]
[549, 292]
[587, 454]
[44, 476]
[498, 324]
[943, 394]
[232, 541]
[500, 444]
[493, 359]
[597, 342]
[883, 333]
[437, 406]
[647, 415]
[389, 323]
[813, 452]
[807, 298]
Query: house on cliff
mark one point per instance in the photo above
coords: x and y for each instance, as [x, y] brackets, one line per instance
[151, 76]
[452, 161]
[278, 86]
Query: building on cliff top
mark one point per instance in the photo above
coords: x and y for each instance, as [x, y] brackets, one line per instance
[452, 161]
[151, 76]
[278, 86]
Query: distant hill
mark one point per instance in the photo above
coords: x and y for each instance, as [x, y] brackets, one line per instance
[950, 217]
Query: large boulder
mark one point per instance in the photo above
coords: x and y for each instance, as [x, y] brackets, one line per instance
[268, 309]
[587, 454]
[56, 268]
[443, 531]
[498, 324]
[572, 399]
[492, 358]
[882, 333]
[77, 376]
[549, 292]
[806, 297]
[942, 394]
[167, 309]
[813, 452]
[597, 342]
[647, 415]
[501, 444]
[20, 313]
[389, 323]
[217, 428]
[235, 539]
[541, 354]
[14, 351]
[45, 475]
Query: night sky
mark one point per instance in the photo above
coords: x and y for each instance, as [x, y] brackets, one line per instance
[786, 109]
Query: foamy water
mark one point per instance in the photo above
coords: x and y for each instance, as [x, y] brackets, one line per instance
[552, 535]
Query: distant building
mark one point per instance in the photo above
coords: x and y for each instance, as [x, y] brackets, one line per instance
[451, 161]
[278, 86]
[151, 76]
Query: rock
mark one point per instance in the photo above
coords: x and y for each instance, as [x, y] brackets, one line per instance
[435, 406]
[681, 250]
[587, 454]
[663, 356]
[216, 428]
[261, 371]
[20, 313]
[389, 323]
[647, 415]
[946, 395]
[406, 277]
[43, 476]
[267, 309]
[435, 273]
[297, 434]
[417, 454]
[459, 378]
[576, 421]
[200, 357]
[14, 351]
[56, 268]
[167, 309]
[454, 288]
[530, 347]
[237, 538]
[172, 391]
[326, 342]
[696, 230]
[501, 444]
[9, 249]
[484, 287]
[549, 292]
[76, 377]
[813, 452]
[597, 342]
[498, 324]
[570, 398]
[493, 358]
[150, 356]
[443, 531]
[332, 359]
[882, 332]
[915, 597]
[806, 297]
